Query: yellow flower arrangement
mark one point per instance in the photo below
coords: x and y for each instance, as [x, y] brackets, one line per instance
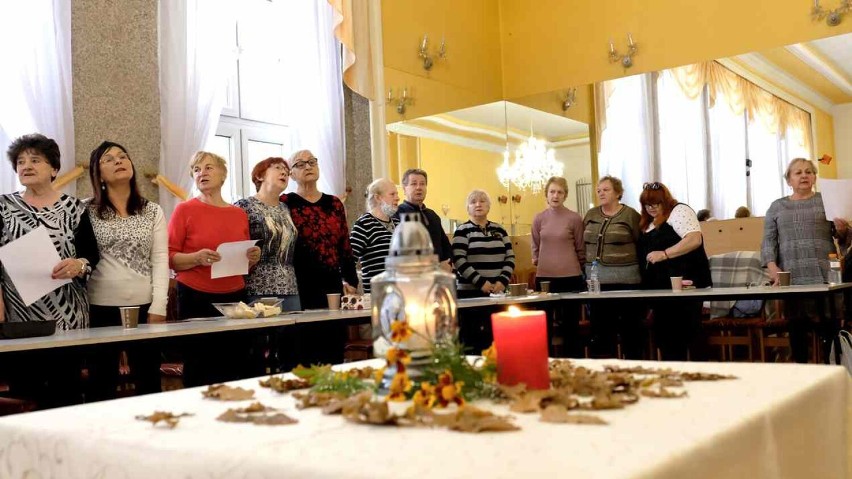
[400, 331]
[397, 356]
[398, 387]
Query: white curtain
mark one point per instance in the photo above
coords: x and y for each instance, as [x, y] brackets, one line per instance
[728, 182]
[314, 87]
[682, 137]
[627, 142]
[35, 86]
[195, 51]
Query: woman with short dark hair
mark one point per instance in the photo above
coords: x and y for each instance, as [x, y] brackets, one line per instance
[36, 160]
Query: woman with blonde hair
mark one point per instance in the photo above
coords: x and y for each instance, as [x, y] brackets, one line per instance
[797, 238]
[197, 227]
[371, 234]
[558, 251]
[482, 251]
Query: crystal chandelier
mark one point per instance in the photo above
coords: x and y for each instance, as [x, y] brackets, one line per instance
[534, 165]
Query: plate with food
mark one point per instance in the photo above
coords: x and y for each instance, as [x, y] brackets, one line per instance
[262, 308]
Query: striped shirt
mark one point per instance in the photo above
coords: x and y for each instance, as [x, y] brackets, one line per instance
[371, 239]
[482, 254]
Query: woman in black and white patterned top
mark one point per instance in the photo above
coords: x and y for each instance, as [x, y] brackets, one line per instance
[36, 160]
[371, 234]
[132, 241]
[270, 223]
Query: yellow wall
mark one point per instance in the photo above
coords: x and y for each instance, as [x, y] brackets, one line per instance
[454, 171]
[550, 44]
[471, 75]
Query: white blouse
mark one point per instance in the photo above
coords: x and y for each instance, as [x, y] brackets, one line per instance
[682, 219]
[134, 264]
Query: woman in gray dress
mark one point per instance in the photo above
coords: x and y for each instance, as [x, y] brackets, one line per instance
[797, 238]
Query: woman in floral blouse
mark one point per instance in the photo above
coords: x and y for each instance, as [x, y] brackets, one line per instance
[270, 224]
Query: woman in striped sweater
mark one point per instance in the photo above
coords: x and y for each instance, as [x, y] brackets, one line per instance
[371, 234]
[482, 251]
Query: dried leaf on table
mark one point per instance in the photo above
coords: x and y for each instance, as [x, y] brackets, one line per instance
[638, 370]
[337, 406]
[604, 400]
[527, 402]
[556, 413]
[662, 392]
[705, 376]
[277, 383]
[316, 399]
[227, 393]
[256, 413]
[366, 372]
[170, 419]
[471, 419]
[362, 409]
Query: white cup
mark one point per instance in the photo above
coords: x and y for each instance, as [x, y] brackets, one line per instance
[677, 283]
[333, 301]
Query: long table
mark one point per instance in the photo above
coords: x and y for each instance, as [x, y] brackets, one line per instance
[215, 325]
[776, 420]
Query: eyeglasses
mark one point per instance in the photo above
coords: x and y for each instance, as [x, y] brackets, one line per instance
[302, 164]
[280, 167]
[652, 186]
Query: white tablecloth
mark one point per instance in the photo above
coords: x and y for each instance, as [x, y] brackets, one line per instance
[777, 420]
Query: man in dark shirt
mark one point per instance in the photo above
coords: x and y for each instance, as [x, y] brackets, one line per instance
[414, 187]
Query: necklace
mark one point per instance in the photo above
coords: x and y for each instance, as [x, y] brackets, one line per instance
[387, 224]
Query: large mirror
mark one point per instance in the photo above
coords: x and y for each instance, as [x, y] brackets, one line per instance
[500, 148]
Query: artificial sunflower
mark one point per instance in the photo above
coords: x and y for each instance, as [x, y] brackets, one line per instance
[397, 356]
[400, 331]
[400, 384]
[447, 391]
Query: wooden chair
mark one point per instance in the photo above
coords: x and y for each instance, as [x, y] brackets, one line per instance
[737, 268]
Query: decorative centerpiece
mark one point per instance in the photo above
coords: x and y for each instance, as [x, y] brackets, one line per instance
[413, 306]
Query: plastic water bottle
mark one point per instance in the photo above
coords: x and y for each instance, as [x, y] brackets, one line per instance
[835, 275]
[594, 278]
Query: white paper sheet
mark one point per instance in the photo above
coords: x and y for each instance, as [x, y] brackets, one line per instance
[234, 261]
[29, 261]
[836, 198]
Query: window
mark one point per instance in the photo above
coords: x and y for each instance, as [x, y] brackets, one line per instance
[654, 130]
[254, 123]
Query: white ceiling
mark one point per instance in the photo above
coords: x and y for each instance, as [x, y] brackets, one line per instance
[521, 118]
[838, 50]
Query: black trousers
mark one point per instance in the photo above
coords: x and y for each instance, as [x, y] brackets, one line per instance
[615, 322]
[677, 325]
[565, 320]
[143, 359]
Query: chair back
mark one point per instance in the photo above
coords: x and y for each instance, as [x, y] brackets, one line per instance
[734, 269]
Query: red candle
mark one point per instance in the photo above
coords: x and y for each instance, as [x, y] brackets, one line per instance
[520, 338]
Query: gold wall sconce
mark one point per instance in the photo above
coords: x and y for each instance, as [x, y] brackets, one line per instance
[627, 58]
[516, 198]
[502, 199]
[832, 17]
[428, 59]
[401, 102]
[570, 99]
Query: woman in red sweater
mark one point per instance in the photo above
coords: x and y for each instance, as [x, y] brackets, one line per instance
[197, 227]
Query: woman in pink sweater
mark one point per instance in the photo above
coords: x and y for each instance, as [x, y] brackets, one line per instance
[558, 251]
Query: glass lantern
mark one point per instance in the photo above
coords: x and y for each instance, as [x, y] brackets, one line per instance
[413, 289]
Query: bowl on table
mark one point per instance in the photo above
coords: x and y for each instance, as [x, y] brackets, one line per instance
[264, 307]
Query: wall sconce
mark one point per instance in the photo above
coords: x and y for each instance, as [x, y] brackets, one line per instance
[626, 59]
[502, 199]
[832, 17]
[423, 53]
[570, 99]
[516, 198]
[400, 102]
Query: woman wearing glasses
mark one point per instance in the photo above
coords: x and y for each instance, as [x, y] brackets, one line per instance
[671, 244]
[323, 258]
[270, 224]
[610, 235]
